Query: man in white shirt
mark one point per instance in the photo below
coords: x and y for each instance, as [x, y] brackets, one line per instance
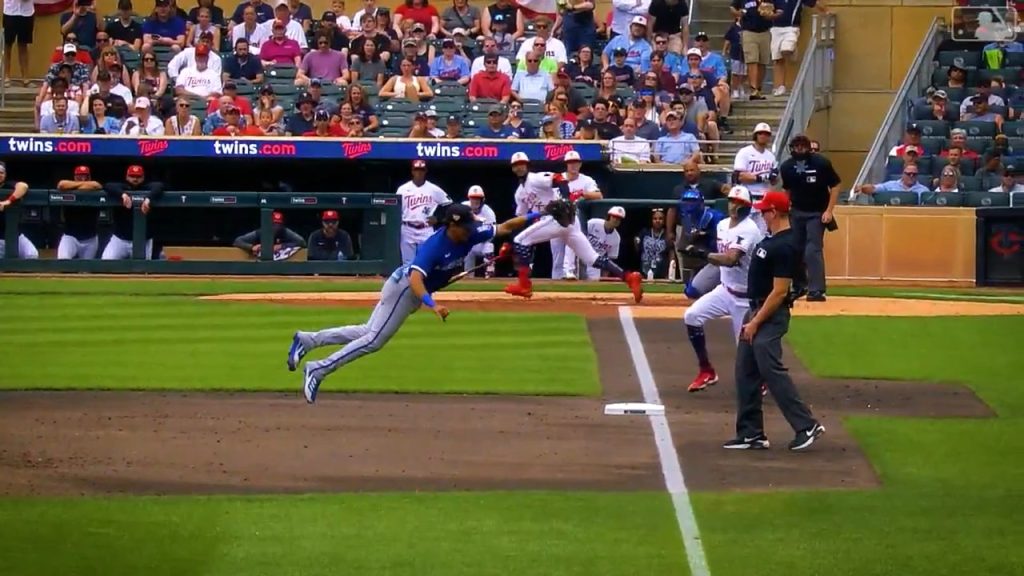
[554, 47]
[187, 58]
[368, 6]
[581, 187]
[756, 168]
[532, 83]
[199, 80]
[623, 12]
[292, 28]
[420, 200]
[630, 148]
[143, 123]
[105, 84]
[491, 48]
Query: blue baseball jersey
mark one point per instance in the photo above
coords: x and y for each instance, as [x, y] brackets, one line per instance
[438, 259]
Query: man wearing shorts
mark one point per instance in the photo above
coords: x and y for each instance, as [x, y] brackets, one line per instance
[756, 17]
[785, 34]
[19, 22]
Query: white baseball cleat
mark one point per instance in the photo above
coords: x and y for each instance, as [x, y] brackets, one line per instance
[310, 384]
[295, 353]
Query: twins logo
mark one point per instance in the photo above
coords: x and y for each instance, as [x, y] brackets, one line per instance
[556, 151]
[414, 202]
[760, 166]
[600, 246]
[152, 147]
[356, 149]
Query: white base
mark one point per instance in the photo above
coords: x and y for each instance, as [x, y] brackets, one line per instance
[634, 408]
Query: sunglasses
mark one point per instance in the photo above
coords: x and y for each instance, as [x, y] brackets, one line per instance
[148, 59]
[910, 173]
[184, 105]
[661, 41]
[532, 61]
[541, 26]
[102, 39]
[322, 43]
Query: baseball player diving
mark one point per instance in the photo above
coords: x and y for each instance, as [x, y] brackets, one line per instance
[550, 192]
[581, 187]
[698, 227]
[484, 214]
[409, 287]
[736, 237]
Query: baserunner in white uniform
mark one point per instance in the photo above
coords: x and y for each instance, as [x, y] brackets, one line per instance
[756, 168]
[420, 200]
[581, 187]
[484, 214]
[737, 236]
[603, 234]
[541, 191]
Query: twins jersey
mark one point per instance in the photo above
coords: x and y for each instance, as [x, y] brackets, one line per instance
[418, 204]
[535, 192]
[748, 159]
[743, 236]
[604, 242]
[581, 184]
[485, 215]
[439, 258]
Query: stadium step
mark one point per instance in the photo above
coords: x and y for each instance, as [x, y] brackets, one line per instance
[16, 113]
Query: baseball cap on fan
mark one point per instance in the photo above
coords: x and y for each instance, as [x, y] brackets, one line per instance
[773, 200]
[70, 48]
[617, 211]
[475, 191]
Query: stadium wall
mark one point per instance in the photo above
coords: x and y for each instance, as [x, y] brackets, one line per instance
[917, 244]
[875, 42]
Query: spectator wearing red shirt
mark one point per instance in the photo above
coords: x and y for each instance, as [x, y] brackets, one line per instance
[418, 11]
[280, 50]
[490, 83]
[958, 139]
[323, 128]
[241, 102]
[234, 125]
[82, 56]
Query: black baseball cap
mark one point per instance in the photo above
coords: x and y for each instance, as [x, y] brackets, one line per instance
[460, 214]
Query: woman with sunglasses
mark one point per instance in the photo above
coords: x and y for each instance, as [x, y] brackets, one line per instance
[150, 73]
[183, 122]
[361, 107]
[109, 57]
[96, 121]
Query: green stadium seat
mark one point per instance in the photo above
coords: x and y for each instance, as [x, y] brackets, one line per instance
[895, 198]
[1017, 199]
[963, 58]
[392, 132]
[1009, 75]
[399, 106]
[445, 106]
[333, 90]
[979, 145]
[481, 106]
[284, 89]
[976, 129]
[450, 89]
[1014, 129]
[933, 146]
[938, 163]
[396, 119]
[955, 94]
[971, 183]
[533, 106]
[986, 199]
[281, 73]
[945, 199]
[932, 128]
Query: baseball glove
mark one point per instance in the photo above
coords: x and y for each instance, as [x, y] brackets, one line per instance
[563, 211]
[766, 9]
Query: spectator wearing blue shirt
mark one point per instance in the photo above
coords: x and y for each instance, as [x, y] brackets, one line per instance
[676, 146]
[59, 121]
[163, 29]
[81, 22]
[711, 62]
[785, 34]
[907, 182]
[638, 49]
[496, 127]
[532, 83]
[264, 12]
[622, 72]
[450, 66]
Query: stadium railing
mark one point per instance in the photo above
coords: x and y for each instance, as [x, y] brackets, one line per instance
[917, 80]
[812, 90]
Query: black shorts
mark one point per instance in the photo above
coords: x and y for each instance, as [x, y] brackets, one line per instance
[18, 29]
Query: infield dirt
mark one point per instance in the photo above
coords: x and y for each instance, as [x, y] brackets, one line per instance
[83, 443]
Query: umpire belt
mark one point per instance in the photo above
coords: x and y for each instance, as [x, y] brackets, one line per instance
[416, 225]
[737, 293]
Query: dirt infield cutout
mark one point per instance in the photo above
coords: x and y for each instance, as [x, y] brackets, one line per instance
[83, 443]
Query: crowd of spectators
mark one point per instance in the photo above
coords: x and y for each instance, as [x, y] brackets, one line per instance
[458, 71]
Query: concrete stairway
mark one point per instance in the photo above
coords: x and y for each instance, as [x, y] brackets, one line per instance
[16, 114]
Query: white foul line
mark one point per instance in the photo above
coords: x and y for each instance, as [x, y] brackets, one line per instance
[667, 455]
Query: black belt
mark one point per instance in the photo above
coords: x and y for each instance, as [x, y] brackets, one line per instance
[417, 225]
[735, 293]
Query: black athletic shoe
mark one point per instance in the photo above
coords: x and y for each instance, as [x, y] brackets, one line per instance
[798, 292]
[815, 296]
[759, 442]
[805, 438]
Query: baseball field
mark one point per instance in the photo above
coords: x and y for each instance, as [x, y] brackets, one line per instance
[150, 426]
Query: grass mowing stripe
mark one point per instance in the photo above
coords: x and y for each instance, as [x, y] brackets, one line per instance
[445, 534]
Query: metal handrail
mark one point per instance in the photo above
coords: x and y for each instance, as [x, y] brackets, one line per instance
[3, 71]
[917, 79]
[812, 89]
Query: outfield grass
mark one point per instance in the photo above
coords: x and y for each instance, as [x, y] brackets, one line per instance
[446, 534]
[953, 492]
[180, 343]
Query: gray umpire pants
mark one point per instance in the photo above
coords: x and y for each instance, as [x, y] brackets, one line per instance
[808, 234]
[761, 361]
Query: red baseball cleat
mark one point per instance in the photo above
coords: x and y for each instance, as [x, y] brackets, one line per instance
[517, 289]
[703, 380]
[635, 283]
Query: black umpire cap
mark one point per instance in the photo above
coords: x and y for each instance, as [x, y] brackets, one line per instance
[800, 139]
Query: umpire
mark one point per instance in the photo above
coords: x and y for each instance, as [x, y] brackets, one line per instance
[813, 187]
[759, 355]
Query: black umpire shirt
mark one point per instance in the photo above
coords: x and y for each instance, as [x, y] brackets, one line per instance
[808, 181]
[774, 257]
[122, 216]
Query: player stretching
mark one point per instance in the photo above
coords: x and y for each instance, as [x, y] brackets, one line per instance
[409, 286]
[737, 235]
[538, 190]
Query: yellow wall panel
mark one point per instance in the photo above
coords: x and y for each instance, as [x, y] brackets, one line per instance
[909, 25]
[863, 48]
[855, 119]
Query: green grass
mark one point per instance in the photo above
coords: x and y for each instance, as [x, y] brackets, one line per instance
[180, 343]
[953, 489]
[447, 534]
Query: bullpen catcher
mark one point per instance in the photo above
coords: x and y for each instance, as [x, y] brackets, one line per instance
[550, 192]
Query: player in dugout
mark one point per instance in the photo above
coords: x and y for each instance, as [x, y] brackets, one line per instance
[329, 242]
[286, 241]
[80, 238]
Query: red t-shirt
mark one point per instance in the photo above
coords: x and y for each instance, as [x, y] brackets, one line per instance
[241, 103]
[423, 14]
[333, 131]
[82, 56]
[247, 131]
[481, 86]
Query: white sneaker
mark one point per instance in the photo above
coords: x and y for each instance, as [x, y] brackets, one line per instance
[735, 94]
[570, 276]
[779, 91]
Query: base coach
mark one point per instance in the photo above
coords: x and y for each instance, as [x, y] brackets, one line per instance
[759, 355]
[813, 187]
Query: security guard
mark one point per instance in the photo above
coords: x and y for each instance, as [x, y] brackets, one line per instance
[759, 356]
[813, 187]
